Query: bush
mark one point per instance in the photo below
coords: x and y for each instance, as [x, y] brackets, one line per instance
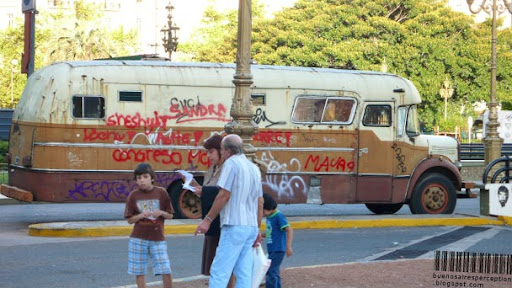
[4, 148]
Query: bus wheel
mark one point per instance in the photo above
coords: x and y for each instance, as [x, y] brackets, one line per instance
[186, 204]
[384, 208]
[433, 194]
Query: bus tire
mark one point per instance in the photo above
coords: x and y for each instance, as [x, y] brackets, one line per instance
[433, 194]
[186, 204]
[384, 208]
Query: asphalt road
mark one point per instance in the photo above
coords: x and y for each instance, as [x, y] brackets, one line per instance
[19, 214]
[101, 262]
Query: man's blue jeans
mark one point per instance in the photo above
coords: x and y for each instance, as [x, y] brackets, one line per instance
[234, 255]
[273, 279]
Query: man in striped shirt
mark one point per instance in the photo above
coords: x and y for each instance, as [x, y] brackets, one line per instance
[240, 204]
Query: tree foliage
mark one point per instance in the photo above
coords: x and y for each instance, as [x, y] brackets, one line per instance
[424, 41]
[80, 33]
[83, 35]
[215, 39]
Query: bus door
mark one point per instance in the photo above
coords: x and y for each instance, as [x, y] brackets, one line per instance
[375, 153]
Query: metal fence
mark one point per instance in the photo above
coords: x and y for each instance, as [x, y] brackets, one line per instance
[4, 176]
[5, 123]
[476, 151]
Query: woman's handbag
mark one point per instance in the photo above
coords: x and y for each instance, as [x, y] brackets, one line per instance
[260, 266]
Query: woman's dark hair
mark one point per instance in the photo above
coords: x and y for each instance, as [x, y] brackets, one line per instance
[268, 202]
[144, 168]
[213, 142]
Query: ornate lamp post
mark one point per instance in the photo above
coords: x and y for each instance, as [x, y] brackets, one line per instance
[446, 92]
[169, 32]
[241, 109]
[14, 63]
[492, 141]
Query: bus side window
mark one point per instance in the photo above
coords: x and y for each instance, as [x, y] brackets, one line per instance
[88, 107]
[338, 110]
[377, 115]
[308, 109]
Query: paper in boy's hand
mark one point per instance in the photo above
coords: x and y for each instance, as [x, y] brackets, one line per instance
[188, 179]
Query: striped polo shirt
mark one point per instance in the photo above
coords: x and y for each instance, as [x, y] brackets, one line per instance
[242, 179]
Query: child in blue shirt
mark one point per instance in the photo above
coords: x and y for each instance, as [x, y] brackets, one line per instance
[279, 237]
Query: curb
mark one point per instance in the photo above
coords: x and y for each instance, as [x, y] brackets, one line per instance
[340, 224]
[64, 229]
[507, 220]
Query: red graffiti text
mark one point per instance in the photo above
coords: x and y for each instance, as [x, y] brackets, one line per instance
[148, 155]
[271, 137]
[187, 113]
[93, 134]
[138, 121]
[326, 163]
[198, 157]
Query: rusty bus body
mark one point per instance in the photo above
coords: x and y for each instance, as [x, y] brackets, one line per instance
[80, 128]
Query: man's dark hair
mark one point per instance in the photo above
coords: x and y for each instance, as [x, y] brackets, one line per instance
[144, 168]
[268, 202]
[503, 189]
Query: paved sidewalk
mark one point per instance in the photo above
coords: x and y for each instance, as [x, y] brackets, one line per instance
[395, 274]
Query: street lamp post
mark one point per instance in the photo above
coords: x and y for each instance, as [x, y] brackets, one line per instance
[14, 63]
[492, 141]
[241, 109]
[446, 92]
[169, 32]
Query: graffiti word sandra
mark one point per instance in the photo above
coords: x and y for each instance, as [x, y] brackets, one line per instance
[326, 163]
[189, 110]
[261, 116]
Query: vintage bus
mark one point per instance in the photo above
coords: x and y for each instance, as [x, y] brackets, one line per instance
[349, 136]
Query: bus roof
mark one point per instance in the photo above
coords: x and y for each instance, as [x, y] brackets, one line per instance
[61, 80]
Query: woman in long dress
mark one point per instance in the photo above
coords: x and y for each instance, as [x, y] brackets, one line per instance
[208, 191]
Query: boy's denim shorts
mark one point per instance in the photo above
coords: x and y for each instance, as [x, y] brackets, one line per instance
[139, 250]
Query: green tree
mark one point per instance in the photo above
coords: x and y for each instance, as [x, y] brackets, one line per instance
[81, 34]
[215, 39]
[76, 34]
[11, 47]
[424, 41]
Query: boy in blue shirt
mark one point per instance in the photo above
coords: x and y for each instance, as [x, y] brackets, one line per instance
[279, 237]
